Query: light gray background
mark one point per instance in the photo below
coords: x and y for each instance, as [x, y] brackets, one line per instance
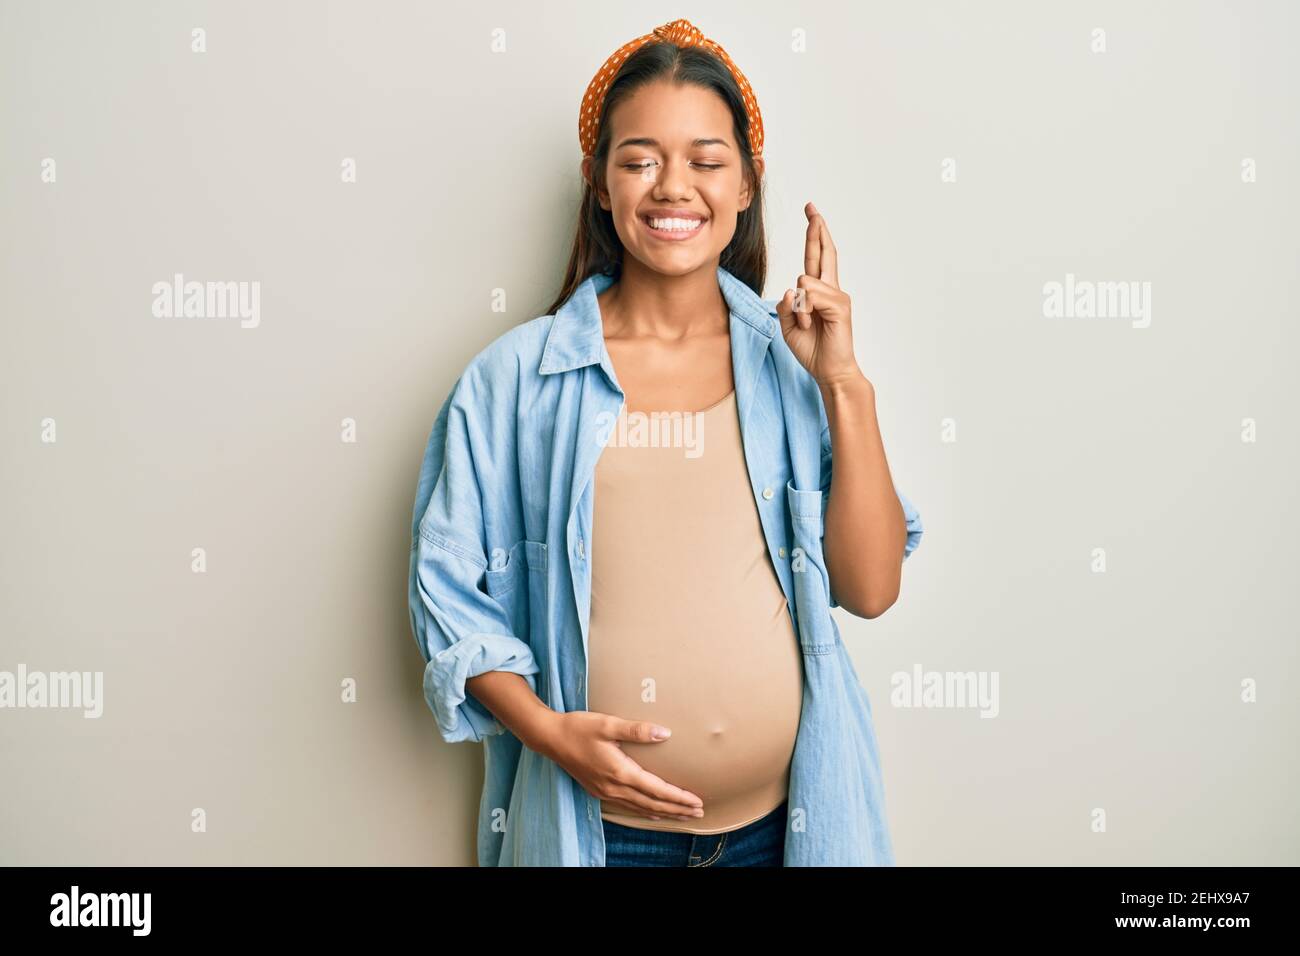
[1118, 691]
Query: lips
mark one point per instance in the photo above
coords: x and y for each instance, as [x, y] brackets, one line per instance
[674, 226]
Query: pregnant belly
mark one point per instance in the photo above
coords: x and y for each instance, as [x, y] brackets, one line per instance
[732, 699]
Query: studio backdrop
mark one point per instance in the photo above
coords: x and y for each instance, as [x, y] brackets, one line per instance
[1069, 233]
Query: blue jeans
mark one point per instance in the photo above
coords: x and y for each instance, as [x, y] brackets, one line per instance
[761, 843]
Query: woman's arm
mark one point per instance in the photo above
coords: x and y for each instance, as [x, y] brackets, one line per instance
[866, 531]
[516, 706]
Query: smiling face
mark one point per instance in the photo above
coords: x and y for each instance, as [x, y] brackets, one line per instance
[675, 178]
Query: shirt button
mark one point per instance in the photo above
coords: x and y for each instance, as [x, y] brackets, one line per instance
[781, 552]
[767, 493]
[582, 551]
[590, 816]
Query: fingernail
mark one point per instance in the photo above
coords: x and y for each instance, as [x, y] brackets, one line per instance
[660, 733]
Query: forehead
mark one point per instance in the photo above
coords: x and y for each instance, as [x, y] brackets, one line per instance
[671, 113]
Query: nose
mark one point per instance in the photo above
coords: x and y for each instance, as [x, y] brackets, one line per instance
[673, 182]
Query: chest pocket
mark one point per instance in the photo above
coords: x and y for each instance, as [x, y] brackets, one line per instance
[817, 635]
[516, 579]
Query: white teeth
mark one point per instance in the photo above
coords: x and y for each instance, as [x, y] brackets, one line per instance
[676, 225]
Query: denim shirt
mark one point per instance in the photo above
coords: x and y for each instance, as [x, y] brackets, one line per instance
[500, 574]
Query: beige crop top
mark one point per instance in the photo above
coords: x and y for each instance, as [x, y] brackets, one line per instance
[689, 626]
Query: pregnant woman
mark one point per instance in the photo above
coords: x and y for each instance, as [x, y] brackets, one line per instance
[625, 547]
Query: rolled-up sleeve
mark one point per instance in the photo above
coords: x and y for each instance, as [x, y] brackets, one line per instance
[913, 519]
[461, 630]
[464, 633]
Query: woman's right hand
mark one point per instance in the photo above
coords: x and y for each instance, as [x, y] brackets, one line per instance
[585, 744]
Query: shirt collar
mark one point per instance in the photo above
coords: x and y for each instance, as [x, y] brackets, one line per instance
[577, 337]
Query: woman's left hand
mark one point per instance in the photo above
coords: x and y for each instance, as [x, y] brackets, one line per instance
[821, 334]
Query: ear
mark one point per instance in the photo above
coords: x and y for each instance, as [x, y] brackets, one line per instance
[745, 197]
[602, 195]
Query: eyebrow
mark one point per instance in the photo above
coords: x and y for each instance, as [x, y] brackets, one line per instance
[648, 141]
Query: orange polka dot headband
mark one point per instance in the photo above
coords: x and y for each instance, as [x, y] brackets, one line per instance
[682, 33]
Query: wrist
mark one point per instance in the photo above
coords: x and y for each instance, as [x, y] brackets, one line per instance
[542, 731]
[849, 384]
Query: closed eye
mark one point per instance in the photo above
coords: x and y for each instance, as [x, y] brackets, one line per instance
[638, 166]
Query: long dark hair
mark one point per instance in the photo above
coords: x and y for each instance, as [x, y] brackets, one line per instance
[596, 246]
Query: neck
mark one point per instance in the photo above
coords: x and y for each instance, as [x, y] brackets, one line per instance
[648, 303]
